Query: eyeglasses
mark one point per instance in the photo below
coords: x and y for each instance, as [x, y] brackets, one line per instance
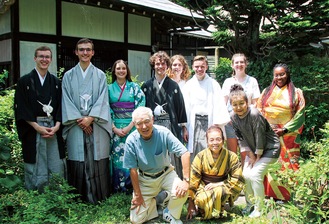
[44, 57]
[85, 49]
[279, 75]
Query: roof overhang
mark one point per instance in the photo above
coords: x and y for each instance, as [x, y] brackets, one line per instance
[165, 14]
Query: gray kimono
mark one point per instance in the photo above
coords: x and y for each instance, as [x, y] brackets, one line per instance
[86, 97]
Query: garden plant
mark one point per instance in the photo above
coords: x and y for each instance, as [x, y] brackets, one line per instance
[57, 204]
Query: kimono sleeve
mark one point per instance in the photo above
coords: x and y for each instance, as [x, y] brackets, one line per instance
[139, 96]
[235, 182]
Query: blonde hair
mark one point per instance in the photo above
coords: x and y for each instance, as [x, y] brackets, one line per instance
[186, 71]
[200, 58]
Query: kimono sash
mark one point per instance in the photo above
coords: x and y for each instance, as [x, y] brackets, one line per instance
[123, 109]
[212, 178]
[163, 120]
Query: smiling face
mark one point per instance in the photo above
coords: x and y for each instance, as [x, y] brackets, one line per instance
[215, 141]
[144, 125]
[280, 76]
[84, 52]
[160, 67]
[200, 67]
[239, 105]
[120, 71]
[239, 64]
[43, 60]
[177, 67]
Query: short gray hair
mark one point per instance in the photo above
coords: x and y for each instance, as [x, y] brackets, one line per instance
[141, 110]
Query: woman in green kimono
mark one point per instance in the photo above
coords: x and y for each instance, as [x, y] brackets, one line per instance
[125, 96]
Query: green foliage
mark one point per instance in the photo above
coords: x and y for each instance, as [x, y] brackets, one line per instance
[108, 75]
[3, 77]
[10, 154]
[223, 70]
[256, 27]
[55, 205]
[316, 116]
[60, 73]
[58, 205]
[310, 184]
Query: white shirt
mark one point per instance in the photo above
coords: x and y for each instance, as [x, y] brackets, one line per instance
[250, 86]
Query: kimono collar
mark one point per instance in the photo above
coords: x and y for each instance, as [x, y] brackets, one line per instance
[42, 79]
[85, 72]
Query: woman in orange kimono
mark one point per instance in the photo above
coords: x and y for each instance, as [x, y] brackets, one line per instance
[283, 105]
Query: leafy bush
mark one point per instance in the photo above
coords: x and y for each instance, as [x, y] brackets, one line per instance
[223, 70]
[10, 153]
[52, 206]
[310, 185]
[58, 205]
[3, 77]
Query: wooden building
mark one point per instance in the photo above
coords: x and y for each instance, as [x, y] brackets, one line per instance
[128, 29]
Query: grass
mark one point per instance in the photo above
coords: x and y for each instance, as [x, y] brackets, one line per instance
[118, 212]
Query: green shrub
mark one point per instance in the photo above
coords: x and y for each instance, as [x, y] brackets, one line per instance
[223, 70]
[11, 166]
[55, 205]
[58, 205]
[310, 202]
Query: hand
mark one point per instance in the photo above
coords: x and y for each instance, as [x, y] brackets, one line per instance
[181, 189]
[45, 132]
[136, 202]
[191, 209]
[211, 186]
[185, 134]
[84, 123]
[252, 159]
[88, 130]
[126, 130]
[51, 132]
[119, 132]
[279, 131]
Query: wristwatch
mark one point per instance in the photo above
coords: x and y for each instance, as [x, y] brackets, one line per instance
[187, 179]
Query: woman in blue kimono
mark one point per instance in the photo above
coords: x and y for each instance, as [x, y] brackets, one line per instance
[124, 97]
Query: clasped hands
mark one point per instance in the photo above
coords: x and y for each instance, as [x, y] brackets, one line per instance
[84, 123]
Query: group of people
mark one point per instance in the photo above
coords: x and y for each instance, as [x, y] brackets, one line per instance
[164, 142]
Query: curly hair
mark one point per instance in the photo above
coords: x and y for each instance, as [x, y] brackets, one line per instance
[162, 55]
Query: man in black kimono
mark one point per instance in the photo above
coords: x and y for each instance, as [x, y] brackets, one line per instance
[37, 106]
[164, 98]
